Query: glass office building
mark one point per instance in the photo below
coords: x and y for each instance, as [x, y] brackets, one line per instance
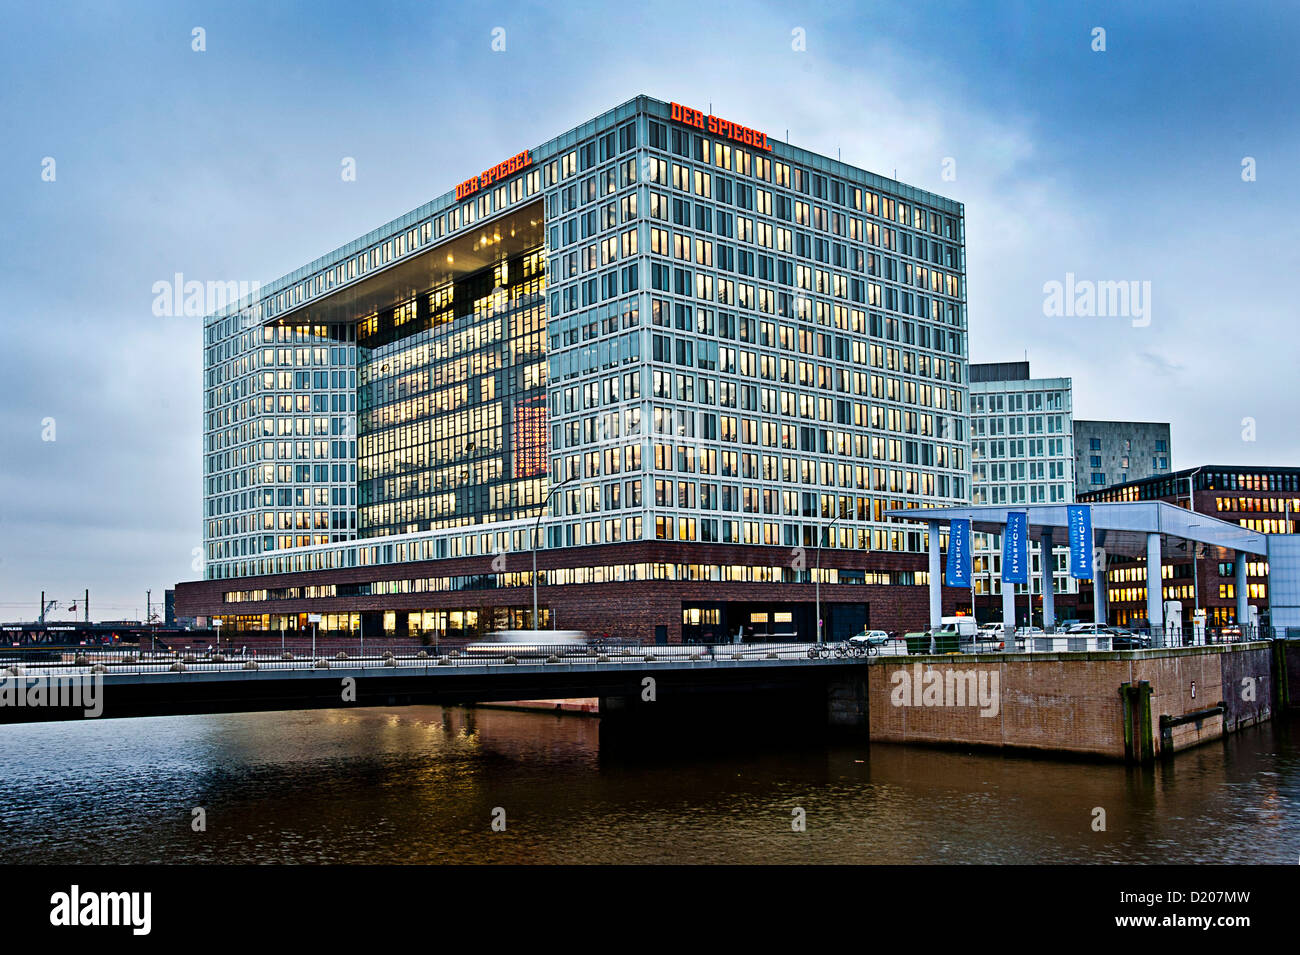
[689, 332]
[1021, 454]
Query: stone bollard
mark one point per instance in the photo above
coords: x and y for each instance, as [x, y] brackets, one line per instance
[250, 665]
[422, 655]
[390, 661]
[602, 659]
[322, 664]
[286, 656]
[693, 656]
[81, 660]
[177, 667]
[552, 659]
[218, 658]
[509, 660]
[341, 655]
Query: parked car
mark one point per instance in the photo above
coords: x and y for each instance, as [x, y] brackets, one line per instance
[1067, 623]
[1029, 631]
[1121, 638]
[871, 638]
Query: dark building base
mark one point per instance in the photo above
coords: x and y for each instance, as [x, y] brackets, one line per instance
[649, 592]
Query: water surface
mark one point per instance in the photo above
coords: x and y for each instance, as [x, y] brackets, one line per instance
[421, 785]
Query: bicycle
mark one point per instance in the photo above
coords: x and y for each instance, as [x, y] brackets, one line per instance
[857, 650]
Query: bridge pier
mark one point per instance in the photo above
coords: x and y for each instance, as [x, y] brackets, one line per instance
[846, 702]
[673, 714]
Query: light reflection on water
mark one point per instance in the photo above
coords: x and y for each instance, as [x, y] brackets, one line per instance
[419, 785]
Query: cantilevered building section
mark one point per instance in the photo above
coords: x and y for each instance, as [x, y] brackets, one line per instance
[720, 352]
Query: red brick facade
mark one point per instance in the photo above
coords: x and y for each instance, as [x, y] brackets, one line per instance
[631, 609]
[1266, 500]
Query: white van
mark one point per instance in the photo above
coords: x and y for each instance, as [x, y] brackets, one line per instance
[965, 627]
[966, 630]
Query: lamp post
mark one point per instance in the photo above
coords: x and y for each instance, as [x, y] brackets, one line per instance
[536, 525]
[1191, 506]
[818, 582]
[1196, 589]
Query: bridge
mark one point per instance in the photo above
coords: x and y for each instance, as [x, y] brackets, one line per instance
[678, 681]
[1136, 704]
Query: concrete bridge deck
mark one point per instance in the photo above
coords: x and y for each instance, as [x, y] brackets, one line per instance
[148, 687]
[1115, 704]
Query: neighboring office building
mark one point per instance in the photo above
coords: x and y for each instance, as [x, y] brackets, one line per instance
[1118, 452]
[169, 612]
[1263, 499]
[719, 346]
[1021, 453]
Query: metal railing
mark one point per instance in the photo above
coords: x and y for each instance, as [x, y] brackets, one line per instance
[299, 655]
[31, 661]
[1104, 639]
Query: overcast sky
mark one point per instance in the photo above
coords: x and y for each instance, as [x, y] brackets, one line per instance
[224, 164]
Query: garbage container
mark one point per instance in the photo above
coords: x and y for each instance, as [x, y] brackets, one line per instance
[918, 642]
[945, 641]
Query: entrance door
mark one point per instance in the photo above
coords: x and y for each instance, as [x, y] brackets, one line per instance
[661, 635]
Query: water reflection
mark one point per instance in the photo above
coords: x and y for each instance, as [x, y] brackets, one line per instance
[420, 784]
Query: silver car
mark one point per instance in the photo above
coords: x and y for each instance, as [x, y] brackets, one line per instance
[871, 638]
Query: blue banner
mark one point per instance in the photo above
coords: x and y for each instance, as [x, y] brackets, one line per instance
[1079, 517]
[1015, 549]
[959, 552]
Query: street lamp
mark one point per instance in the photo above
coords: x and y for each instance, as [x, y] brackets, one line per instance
[1196, 589]
[536, 525]
[821, 533]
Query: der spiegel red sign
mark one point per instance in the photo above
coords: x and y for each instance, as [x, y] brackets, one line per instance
[719, 127]
[498, 172]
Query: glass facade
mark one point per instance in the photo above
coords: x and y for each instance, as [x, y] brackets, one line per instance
[279, 439]
[731, 343]
[1022, 453]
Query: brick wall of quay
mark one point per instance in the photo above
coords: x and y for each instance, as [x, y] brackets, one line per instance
[1071, 703]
